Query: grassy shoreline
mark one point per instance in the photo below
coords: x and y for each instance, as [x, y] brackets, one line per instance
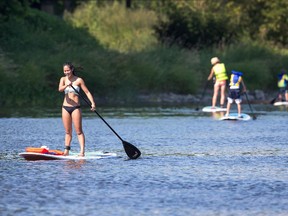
[33, 49]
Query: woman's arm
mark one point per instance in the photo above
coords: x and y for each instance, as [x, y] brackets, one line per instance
[88, 94]
[62, 85]
[211, 74]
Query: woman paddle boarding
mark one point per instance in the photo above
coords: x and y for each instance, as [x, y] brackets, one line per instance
[218, 69]
[71, 110]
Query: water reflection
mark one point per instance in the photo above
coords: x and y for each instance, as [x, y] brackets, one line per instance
[218, 115]
[74, 164]
[283, 108]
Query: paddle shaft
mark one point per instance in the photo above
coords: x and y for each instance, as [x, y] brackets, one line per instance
[131, 151]
[204, 90]
[97, 113]
[254, 117]
[274, 99]
[203, 93]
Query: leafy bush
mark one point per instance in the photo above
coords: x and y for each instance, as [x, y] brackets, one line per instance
[115, 27]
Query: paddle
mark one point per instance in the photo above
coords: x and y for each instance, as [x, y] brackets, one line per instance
[131, 151]
[202, 96]
[254, 117]
[273, 100]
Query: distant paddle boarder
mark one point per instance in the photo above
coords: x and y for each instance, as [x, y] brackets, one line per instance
[283, 86]
[235, 85]
[218, 69]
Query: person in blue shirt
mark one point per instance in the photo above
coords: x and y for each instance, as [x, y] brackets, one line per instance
[235, 85]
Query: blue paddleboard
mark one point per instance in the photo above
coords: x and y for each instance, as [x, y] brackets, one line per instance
[234, 116]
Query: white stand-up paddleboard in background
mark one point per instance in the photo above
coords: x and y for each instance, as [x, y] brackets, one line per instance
[215, 109]
[234, 116]
[281, 103]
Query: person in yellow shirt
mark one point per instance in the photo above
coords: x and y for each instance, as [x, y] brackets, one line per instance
[283, 86]
[218, 69]
[236, 82]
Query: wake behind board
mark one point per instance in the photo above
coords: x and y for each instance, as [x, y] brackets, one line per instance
[215, 109]
[281, 103]
[234, 116]
[33, 156]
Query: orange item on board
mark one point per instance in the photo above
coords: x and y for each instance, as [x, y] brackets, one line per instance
[44, 151]
[56, 152]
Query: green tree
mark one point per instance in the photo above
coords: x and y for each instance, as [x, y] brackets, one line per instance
[115, 27]
[9, 8]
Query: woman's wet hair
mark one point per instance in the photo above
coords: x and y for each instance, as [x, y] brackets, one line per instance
[72, 67]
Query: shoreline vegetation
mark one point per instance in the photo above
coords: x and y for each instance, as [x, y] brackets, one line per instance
[167, 100]
[254, 97]
[126, 56]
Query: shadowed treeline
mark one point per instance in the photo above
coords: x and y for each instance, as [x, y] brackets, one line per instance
[120, 60]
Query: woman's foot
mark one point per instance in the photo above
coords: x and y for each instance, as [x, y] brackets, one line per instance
[66, 151]
[81, 155]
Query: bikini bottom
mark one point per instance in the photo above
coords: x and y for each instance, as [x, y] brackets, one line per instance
[71, 109]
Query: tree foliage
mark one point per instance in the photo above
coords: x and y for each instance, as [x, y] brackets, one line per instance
[34, 44]
[204, 23]
[10, 8]
[190, 23]
[115, 27]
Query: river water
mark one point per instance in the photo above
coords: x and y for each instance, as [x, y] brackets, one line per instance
[191, 164]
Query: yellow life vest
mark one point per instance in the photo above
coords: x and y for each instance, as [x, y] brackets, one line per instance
[220, 72]
[283, 81]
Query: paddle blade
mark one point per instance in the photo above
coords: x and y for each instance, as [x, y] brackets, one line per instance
[273, 101]
[131, 151]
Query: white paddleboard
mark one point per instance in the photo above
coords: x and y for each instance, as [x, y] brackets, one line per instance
[281, 103]
[215, 109]
[234, 116]
[32, 156]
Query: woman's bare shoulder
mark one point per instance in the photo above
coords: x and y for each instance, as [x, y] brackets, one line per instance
[79, 79]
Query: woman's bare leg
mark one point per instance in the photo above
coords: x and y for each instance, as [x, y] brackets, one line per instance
[67, 122]
[215, 95]
[222, 100]
[77, 121]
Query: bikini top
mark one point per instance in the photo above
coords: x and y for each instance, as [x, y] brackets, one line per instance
[69, 89]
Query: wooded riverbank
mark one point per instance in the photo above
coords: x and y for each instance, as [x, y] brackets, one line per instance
[255, 97]
[34, 45]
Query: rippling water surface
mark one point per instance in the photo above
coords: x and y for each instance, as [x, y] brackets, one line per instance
[191, 164]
